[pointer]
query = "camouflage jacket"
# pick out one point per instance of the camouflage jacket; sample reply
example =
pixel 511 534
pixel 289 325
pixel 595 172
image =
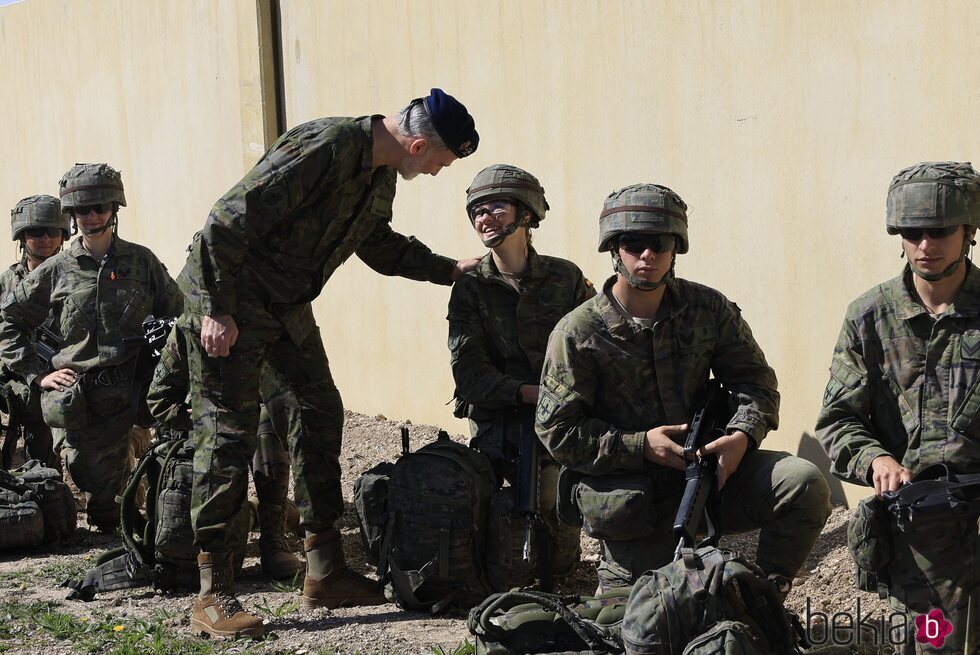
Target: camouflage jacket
pixel 607 380
pixel 95 307
pixel 498 336
pixel 904 384
pixel 13 276
pixel 278 235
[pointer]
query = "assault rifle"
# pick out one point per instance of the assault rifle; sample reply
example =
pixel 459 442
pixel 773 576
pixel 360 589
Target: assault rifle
pixel 528 465
pixel 155 333
pixel 934 494
pixel 47 343
pixel 709 423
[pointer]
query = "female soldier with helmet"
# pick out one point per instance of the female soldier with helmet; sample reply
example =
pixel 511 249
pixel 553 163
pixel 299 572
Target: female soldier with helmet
pixel 500 316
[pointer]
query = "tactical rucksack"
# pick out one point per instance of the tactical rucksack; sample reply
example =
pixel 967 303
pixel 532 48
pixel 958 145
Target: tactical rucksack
pixel 158 540
pixel 435 544
pixel 21 520
pixel 522 621
pixel 54 498
pixel 371 504
pixel 710 601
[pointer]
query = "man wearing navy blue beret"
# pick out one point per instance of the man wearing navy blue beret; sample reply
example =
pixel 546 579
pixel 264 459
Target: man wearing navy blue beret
pixel 322 193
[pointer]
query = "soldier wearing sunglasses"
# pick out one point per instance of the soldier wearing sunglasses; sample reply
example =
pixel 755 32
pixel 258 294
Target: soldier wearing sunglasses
pixel 623 375
pixel 904 389
pixel 40 226
pixel 99 289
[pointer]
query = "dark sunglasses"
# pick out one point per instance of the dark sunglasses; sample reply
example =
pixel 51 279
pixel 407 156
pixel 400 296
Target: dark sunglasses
pixel 38 232
pixel 84 210
pixel 636 244
pixel 915 233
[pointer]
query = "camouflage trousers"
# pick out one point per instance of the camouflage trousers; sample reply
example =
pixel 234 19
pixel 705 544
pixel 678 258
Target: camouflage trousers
pixel 97 457
pixel 785 497
pixel 936 567
pixel 225 394
pixel 498 440
pixel 38 442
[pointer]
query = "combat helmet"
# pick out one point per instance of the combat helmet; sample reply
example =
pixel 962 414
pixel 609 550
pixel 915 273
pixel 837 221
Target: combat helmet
pixel 91 184
pixel 643 208
pixel 38 211
pixel 503 181
pixel 934 195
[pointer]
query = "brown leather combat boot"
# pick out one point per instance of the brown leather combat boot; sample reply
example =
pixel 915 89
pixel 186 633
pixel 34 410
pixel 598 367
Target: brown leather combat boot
pixel 217 612
pixel 277 559
pixel 329 583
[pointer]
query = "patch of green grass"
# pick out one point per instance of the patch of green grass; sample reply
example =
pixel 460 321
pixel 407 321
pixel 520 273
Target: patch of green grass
pixel 289 586
pixel 277 611
pixel 65 570
pixel 104 634
pixel 465 648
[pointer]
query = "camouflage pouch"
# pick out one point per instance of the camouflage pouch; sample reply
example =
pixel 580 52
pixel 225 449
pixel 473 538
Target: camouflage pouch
pixel 616 507
pixel 371 503
pixel 725 638
pixel 870 542
pixel 66 408
pixel 506 567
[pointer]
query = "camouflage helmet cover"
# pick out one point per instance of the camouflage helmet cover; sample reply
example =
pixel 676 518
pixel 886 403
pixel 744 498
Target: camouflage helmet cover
pixel 91 184
pixel 511 182
pixel 38 211
pixel 643 208
pixel 933 194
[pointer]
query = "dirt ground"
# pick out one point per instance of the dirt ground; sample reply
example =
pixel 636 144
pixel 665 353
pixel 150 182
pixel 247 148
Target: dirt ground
pixel 826 580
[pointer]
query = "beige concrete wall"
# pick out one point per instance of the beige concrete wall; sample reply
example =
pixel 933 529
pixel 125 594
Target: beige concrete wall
pixel 166 92
pixel 780 123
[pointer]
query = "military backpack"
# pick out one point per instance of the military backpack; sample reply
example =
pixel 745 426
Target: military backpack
pixel 709 601
pixel 158 540
pixel 36 507
pixel 524 621
pixel 442 532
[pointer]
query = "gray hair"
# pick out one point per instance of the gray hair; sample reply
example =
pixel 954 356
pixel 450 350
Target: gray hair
pixel 415 121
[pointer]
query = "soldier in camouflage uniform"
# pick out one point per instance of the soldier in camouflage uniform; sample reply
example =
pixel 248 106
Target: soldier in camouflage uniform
pixel 500 316
pixel 169 404
pixel 322 193
pixel 99 289
pixel 623 375
pixel 904 389
pixel 41 227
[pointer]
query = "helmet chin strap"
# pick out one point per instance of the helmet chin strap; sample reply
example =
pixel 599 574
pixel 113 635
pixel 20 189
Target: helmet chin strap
pixel 945 273
pixel 499 239
pixel 94 232
pixel 638 283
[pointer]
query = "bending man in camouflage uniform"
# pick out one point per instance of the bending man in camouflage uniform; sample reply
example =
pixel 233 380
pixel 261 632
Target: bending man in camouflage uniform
pixel 321 193
pixel 100 289
pixel 904 387
pixel 41 227
pixel 168 402
pixel 623 375
pixel 500 316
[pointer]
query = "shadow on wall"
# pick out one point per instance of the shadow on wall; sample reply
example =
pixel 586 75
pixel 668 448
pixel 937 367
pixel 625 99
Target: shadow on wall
pixel 811 450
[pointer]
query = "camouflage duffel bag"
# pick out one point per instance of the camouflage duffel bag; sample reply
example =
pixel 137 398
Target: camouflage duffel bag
pixel 21 520
pixel 523 621
pixel 54 497
pixel 709 601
